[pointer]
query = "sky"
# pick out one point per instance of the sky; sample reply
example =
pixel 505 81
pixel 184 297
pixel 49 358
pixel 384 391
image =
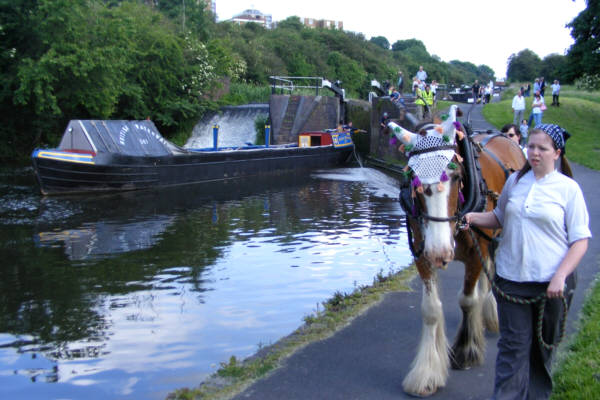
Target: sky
pixel 479 31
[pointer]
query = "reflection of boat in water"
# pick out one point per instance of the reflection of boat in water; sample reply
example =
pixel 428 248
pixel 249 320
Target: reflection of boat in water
pixel 96 155
pixel 105 238
pixel 100 230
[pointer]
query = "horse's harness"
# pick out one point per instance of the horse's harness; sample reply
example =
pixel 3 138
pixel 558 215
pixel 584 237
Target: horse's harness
pixel 476 188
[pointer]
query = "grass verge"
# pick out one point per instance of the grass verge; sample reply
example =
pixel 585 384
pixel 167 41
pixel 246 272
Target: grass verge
pixel 578 114
pixel 337 312
pixel 577 373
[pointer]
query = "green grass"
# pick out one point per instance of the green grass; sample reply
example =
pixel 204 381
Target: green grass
pixel 577 374
pixel 578 113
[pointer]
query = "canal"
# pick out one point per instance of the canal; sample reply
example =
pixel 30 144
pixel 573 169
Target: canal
pixel 134 295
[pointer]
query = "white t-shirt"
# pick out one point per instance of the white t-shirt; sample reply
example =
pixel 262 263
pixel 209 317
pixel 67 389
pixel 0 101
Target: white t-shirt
pixel 540 219
pixel 518 103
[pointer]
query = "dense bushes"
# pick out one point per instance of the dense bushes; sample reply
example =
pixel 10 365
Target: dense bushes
pixel 169 61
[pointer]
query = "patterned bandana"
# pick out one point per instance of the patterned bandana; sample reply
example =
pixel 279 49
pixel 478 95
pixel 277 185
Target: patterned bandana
pixel 559 135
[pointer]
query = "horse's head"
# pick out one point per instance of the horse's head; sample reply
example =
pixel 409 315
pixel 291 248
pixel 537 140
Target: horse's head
pixel 435 173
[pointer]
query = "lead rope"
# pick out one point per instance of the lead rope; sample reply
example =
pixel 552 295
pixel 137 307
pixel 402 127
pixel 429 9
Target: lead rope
pixel 541 299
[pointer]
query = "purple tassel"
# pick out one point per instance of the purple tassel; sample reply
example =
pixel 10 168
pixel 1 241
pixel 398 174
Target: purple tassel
pixel 413 210
pixel 444 177
pixel 416 181
pixel 461 198
pixel 393 141
pixel 457 125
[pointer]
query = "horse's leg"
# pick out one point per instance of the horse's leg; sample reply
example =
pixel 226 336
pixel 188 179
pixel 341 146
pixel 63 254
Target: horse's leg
pixel 489 310
pixel 429 369
pixel 469 345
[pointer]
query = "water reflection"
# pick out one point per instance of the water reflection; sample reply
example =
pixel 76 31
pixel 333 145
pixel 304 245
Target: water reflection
pixel 134 295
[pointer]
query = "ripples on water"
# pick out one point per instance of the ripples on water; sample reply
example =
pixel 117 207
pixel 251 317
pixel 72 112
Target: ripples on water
pixel 137 294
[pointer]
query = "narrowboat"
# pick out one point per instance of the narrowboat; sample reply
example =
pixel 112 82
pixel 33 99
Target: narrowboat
pixel 104 156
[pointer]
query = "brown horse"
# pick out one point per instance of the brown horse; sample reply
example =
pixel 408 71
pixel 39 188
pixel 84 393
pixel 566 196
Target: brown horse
pixel 448 175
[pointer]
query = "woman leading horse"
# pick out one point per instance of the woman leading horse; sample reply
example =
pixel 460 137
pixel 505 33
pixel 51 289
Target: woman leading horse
pixel 449 174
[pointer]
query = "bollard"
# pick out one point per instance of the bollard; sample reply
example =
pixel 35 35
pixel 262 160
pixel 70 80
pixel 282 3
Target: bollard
pixel 215 136
pixel 267 135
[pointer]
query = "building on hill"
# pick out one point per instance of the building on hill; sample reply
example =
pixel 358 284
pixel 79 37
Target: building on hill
pixel 322 23
pixel 253 16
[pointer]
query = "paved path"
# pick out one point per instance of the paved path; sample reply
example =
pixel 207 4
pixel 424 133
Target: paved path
pixel 369 358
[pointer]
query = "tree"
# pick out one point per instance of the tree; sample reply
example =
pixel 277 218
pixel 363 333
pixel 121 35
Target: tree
pixel 554 66
pixel 523 66
pixel 584 54
pixel 380 41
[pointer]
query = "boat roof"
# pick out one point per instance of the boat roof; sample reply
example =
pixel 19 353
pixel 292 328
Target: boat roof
pixel 134 138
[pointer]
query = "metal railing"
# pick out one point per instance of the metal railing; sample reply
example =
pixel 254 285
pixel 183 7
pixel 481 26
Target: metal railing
pixel 287 84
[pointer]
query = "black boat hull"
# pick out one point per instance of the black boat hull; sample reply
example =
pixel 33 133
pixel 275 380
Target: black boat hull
pixel 110 172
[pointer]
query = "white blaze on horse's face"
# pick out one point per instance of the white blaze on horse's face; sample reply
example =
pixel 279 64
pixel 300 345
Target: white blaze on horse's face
pixel 429 163
pixel 439 241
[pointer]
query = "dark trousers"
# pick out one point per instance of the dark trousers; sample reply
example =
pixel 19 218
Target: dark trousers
pixel 523 363
pixel 555 100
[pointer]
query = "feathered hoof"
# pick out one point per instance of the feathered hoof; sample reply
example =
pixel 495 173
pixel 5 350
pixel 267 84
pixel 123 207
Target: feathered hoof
pixel 464 360
pixel 426 393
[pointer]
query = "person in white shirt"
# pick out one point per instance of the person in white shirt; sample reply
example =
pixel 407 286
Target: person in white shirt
pixel 555 93
pixel 518 107
pixel 545 233
pixel 421 74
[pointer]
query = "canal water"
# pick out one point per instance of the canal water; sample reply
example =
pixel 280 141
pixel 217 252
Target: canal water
pixel 134 295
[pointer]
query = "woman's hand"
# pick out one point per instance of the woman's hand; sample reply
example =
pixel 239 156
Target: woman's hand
pixel 556 287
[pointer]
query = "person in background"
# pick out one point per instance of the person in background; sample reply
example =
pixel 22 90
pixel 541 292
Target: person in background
pixel 415 84
pixel 434 86
pixel 518 107
pixel 555 93
pixel 537 108
pixel 513 133
pixel 400 83
pixel 542 86
pixel 527 91
pixel 524 128
pixel 424 102
pixel 421 74
pixel 536 85
pixel 545 234
pixel 475 91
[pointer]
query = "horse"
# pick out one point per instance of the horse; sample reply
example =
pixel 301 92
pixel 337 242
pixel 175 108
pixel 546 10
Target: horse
pixel 450 173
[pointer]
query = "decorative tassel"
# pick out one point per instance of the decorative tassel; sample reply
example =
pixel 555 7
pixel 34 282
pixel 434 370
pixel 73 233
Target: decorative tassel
pixel 460 135
pixel 445 138
pixel 461 198
pixel 457 126
pixel 439 129
pixel 397 129
pixel 409 147
pixel 440 187
pixel 444 117
pixel 393 141
pixel 444 177
pixel 406 138
pixel 402 148
pixel 416 181
pixel 451 165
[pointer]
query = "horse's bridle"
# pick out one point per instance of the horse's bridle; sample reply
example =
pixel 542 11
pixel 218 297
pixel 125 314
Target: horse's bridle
pixel 406 187
pixel 475 188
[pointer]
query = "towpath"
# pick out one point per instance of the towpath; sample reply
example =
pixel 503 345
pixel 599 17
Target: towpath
pixel 369 358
